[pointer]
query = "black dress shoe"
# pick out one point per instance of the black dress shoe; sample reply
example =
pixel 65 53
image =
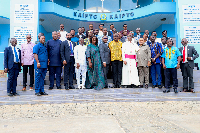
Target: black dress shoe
pixel 50 88
pixel 66 88
pixel 153 86
pixel 71 87
pixel 192 90
pixel 58 87
pixel 175 90
pixel 146 86
pixel 37 94
pixel 166 91
pixel 10 94
pixel 106 87
pixel 43 93
pixel 16 94
pixel 159 86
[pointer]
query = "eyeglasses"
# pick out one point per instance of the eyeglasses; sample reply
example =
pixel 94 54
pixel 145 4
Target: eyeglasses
pixel 61 26
pixel 125 26
pixel 105 38
pixel 28 37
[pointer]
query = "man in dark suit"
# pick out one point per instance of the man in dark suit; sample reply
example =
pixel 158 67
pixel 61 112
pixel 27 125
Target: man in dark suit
pixel 187 65
pixel 80 33
pixel 12 66
pixel 67 57
pixel 105 57
pixel 55 64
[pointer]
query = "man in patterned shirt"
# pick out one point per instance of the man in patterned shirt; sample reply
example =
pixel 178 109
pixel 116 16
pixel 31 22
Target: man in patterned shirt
pixel 116 60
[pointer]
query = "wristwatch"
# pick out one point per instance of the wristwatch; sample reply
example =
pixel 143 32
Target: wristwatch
pixel 179 63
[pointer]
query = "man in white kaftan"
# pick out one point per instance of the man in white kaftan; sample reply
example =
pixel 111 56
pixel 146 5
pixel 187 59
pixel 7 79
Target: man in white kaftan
pixel 80 63
pixel 129 70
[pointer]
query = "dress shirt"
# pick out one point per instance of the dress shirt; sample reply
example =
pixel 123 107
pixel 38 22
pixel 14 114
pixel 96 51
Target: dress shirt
pixel 116 50
pixel 156 48
pixel 27 56
pixel 170 55
pixel 63 35
pixel 14 53
pixel 41 50
pixel 186 55
pixel 79 55
pixel 72 46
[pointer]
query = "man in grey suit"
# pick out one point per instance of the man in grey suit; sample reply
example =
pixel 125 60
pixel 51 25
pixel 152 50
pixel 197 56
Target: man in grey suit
pixel 105 57
pixel 187 65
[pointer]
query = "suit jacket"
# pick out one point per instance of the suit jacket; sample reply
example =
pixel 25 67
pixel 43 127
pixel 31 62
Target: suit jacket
pixel 141 36
pixel 109 33
pixel 190 52
pixel 143 55
pixel 104 53
pixel 83 36
pixel 65 51
pixel 9 58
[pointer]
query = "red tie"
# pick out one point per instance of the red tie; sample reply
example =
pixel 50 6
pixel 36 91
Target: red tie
pixel 184 54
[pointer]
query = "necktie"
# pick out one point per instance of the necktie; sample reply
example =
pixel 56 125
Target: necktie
pixel 71 48
pixel 184 54
pixel 16 56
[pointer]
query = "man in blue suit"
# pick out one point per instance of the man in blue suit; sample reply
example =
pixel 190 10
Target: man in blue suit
pixel 12 66
pixel 67 57
pixel 40 66
pixel 55 65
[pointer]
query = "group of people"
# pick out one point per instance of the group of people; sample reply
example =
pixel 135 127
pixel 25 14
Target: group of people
pixel 89 56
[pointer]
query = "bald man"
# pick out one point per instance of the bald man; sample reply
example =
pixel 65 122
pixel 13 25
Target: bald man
pixel 12 66
pixel 189 54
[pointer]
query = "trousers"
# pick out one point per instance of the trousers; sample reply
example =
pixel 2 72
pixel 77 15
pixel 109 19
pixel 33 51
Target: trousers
pixel 81 71
pixel 31 73
pixel 12 78
pixel 187 71
pixel 40 74
pixel 156 69
pixel 171 72
pixel 143 73
pixel 52 71
pixel 117 72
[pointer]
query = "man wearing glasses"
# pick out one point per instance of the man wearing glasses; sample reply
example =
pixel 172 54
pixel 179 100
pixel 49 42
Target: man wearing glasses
pixel 105 57
pixel 125 29
pixel 27 60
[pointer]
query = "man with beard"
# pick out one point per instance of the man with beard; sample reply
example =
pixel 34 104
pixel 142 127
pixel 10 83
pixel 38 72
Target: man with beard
pixel 80 33
pixel 62 33
pixel 67 57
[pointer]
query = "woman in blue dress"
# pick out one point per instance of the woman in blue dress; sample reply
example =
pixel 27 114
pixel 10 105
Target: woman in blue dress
pixel 94 66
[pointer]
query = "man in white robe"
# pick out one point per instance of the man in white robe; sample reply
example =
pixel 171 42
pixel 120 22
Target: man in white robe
pixel 80 63
pixel 129 71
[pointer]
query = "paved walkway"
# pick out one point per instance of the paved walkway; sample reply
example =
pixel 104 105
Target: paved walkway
pixel 104 95
pixel 123 110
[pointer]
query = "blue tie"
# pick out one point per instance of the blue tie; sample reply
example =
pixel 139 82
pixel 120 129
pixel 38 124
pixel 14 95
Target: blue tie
pixel 71 48
pixel 16 56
